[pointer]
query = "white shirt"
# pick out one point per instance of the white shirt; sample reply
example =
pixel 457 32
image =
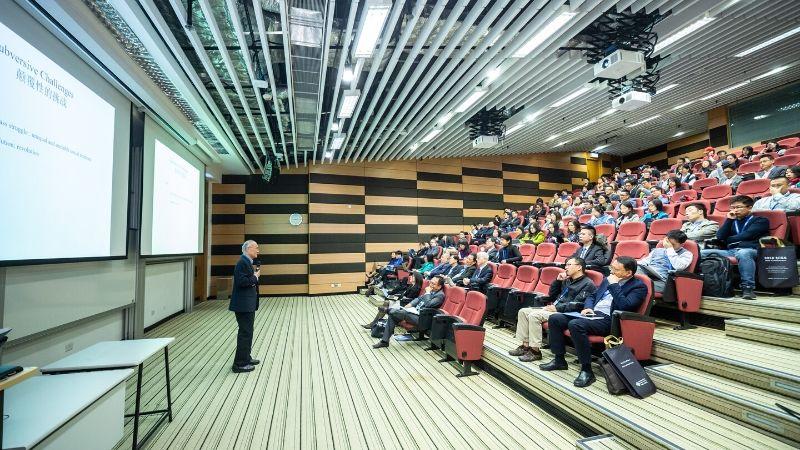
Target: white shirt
pixel 789 201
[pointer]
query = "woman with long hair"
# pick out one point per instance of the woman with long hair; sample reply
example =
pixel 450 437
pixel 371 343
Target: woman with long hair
pixel 655 211
pixel 626 214
pixel 573 229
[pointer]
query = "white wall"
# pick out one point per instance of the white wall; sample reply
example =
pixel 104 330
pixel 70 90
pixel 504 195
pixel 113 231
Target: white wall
pixel 164 290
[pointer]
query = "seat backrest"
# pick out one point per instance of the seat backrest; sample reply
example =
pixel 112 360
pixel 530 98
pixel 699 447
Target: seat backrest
pixel 717 191
pixel 526 279
pixel 670 208
pixel 545 253
pixel 681 215
pixel 788 160
pixel 792 151
pixel 425 284
pixel 631 231
pixel 639 210
pixel 789 142
pixel 584 218
pixel 720 219
pixel 723 205
pixel 505 275
pixel 635 249
pixel 546 277
pixel 660 227
pixel 565 250
pixel 527 251
pixel 474 307
pixel 699 185
pixel 454 300
pixel 759 147
pixel 644 308
pixel 495 272
pixel 753 187
pixel 751 167
pixel 692 247
pixel 778 223
pixel 473 248
pixel 595 276
pixel 613 213
pixel 608 229
pixel 683 196
pixel 578 210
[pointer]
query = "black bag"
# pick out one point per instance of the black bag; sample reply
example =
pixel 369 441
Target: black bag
pixel 777 265
pixel 614 383
pixel 378 329
pixel 629 370
pixel 716 272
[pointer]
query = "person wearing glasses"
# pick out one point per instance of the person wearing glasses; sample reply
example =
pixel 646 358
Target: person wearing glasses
pixel 780 199
pixel 741 232
pixel 568 292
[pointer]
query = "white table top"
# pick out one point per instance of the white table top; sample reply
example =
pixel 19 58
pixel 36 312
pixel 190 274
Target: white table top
pixel 109 355
pixel 39 406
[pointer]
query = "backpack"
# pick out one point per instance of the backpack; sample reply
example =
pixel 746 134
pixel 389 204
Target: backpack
pixel 717 278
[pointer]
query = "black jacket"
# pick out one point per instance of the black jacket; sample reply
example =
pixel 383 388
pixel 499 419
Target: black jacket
pixel 468 272
pixel 569 295
pixel 748 236
pixel 244 297
pixel 595 256
pixel 480 279
pixel 432 300
pixel 509 253
pixel 493 253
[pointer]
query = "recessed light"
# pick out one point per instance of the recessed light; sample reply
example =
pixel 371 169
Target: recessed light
pixel 644 121
pixel 761 116
pixel 769 42
pixel 679 133
pixel 546 32
pixel 682 33
pixel 570 97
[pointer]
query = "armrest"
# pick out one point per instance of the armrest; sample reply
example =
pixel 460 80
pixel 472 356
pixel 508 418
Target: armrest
pixel 445 318
pixel 628 315
pixel 467 327
pixel 686 274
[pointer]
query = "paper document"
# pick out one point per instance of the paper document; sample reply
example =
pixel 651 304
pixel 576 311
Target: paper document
pixel 579 316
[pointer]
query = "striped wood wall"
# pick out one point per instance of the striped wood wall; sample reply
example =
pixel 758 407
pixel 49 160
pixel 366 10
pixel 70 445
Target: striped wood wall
pixel 358 213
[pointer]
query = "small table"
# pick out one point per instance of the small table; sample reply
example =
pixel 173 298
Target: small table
pixel 26 373
pixel 113 355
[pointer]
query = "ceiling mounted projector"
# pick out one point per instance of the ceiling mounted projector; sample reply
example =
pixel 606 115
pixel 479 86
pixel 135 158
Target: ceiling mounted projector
pixel 619 64
pixel 630 100
pixel 485 141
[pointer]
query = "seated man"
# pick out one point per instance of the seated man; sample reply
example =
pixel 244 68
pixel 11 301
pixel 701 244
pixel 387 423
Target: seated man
pixel 568 292
pixel 780 199
pixel 443 267
pixel 729 175
pixel 508 253
pixel 741 232
pixel 590 251
pixel 697 228
pixel 433 298
pixel 621 291
pixel 661 261
pixel 768 168
pixel 462 278
pixel 482 276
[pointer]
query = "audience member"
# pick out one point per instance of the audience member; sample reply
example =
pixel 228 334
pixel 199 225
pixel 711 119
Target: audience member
pixel 403 293
pixel 697 227
pixel 463 277
pixel 662 260
pixel 780 198
pixel 768 168
pixel 590 251
pixel 655 211
pixel 573 230
pixel 483 274
pixel 508 254
pixel 685 175
pixel 626 214
pixel 599 216
pixel 793 174
pixel 433 298
pixel 729 175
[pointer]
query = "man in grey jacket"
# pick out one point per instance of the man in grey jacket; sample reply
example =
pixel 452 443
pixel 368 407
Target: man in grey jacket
pixel 568 293
pixel 697 227
pixel 432 298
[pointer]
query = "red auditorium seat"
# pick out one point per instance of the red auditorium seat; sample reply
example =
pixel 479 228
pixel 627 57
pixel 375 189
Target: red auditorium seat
pixel 759 147
pixel 659 228
pixel 473 248
pixel 794 227
pixel 453 302
pixel 778 223
pixel 717 191
pixel 681 214
pixel 788 160
pixel 565 250
pixel 545 253
pixel 639 202
pixel 670 208
pixel 684 287
pixel 527 251
pixel 639 211
pixel 753 188
pixel 723 206
pixel 463 334
pixel 514 234
pixel 720 219
pixel 578 210
pixel 631 231
pixel 751 167
pixel 789 142
pixel 613 213
pixel 546 277
pixel 595 276
pixel 584 218
pixel 521 294
pixel 683 196
pixel 608 229
pixel 635 249
pixel 410 326
pixel 792 151
pixel 500 285
pixel 699 185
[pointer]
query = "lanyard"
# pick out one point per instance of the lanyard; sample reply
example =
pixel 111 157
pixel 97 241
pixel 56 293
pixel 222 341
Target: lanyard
pixel 736 224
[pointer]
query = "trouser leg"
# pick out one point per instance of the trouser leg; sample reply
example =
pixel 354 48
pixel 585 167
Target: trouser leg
pixel 557 323
pixel 580 329
pixel 244 338
pixel 535 319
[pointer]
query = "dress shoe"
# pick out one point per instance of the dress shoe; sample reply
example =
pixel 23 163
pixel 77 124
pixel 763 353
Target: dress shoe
pixel 553 365
pixel 254 362
pixel 240 369
pixel 367 326
pixel 748 294
pixel 519 351
pixel 531 355
pixel 380 344
pixel 585 378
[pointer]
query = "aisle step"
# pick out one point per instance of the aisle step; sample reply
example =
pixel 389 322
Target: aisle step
pixel 602 442
pixel 768 367
pixel 774 332
pixel 751 405
pixel 786 308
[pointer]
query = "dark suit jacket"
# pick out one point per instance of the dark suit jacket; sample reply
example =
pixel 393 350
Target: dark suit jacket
pixel 467 272
pixel 510 254
pixel 244 297
pixel 595 256
pixel 627 297
pixel 432 300
pixel 481 278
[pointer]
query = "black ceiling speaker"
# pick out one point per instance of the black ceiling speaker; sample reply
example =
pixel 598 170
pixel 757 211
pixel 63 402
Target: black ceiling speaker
pixel 272 168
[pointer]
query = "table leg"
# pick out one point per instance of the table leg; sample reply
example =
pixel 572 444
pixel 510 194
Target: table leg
pixel 169 390
pixel 138 406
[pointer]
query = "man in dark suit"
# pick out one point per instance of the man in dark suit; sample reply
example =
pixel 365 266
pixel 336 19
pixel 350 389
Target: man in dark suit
pixel 244 303
pixel 620 291
pixel 432 298
pixel 483 273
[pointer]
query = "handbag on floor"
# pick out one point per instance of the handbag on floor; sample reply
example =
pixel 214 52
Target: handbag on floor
pixel 628 369
pixel 378 328
pixel 777 264
pixel 614 383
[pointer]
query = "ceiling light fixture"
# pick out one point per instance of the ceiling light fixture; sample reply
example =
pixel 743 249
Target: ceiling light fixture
pixel 348 75
pixel 546 32
pixel 679 134
pixel 761 116
pixel 552 138
pixel 329 155
pixel 413 147
pixel 532 116
pixel 349 100
pixel 570 97
pixel 644 121
pixel 560 144
pixel 767 43
pixel 515 128
pixel 600 147
pixel 493 74
pixel 429 137
pixel 338 140
pixel 682 105
pixel 445 118
pixel 335 126
pixel 474 97
pixel 682 33
pixel 583 125
pixel 609 112
pixel 771 72
pixel 666 88
pixel 373 18
pixel 727 89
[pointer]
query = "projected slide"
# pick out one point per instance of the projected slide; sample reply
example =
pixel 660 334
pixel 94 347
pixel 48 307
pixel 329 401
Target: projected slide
pixel 176 204
pixel 56 159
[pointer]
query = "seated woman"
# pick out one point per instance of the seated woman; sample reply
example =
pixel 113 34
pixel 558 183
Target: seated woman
pixel 554 234
pixel 463 249
pixel 533 235
pixel 604 202
pixel 655 211
pixel 626 214
pixel 599 216
pixel 573 228
pixel 404 292
pixel 426 265
pixel 793 175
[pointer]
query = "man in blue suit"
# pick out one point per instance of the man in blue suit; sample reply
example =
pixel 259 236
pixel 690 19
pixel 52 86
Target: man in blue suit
pixel 244 303
pixel 620 291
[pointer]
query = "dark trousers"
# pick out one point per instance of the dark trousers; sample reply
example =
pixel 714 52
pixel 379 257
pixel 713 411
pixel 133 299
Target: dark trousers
pixel 244 338
pixel 396 316
pixel 579 330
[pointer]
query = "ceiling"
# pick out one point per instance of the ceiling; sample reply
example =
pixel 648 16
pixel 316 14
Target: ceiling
pixel 266 76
